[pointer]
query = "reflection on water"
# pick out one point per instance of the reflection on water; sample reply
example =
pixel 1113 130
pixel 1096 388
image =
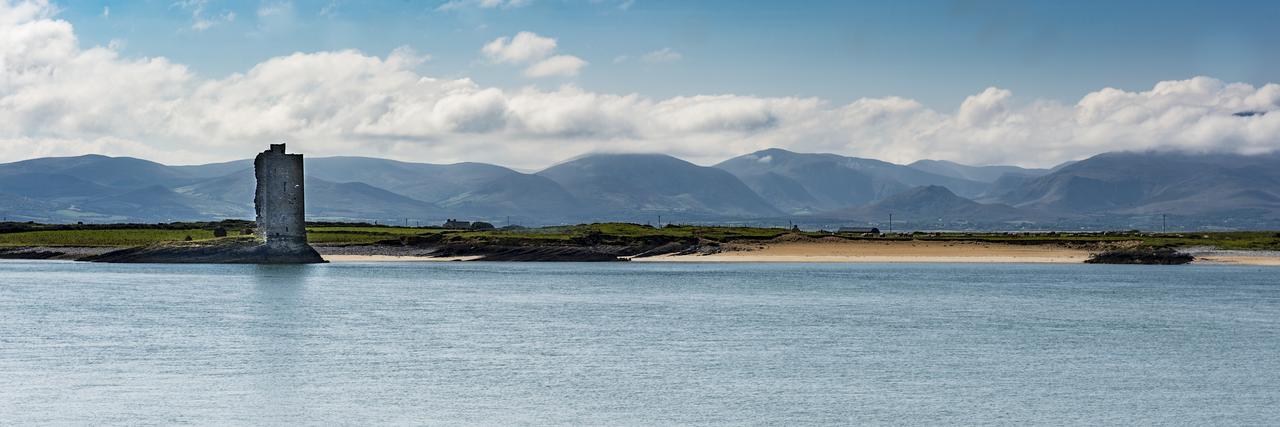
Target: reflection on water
pixel 282 275
pixel 279 323
pixel 495 343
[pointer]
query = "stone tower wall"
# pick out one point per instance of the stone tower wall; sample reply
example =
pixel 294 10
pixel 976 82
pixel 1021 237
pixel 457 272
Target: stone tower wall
pixel 278 200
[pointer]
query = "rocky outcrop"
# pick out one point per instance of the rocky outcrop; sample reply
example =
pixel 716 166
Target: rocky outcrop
pixel 218 251
pixel 65 253
pixel 585 248
pixel 1141 256
pixel 533 253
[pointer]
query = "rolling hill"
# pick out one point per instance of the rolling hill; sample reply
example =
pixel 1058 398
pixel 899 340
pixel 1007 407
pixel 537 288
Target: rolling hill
pixel 633 185
pixel 934 204
pixel 1110 190
pixel 801 183
pixel 1154 183
pixel 973 173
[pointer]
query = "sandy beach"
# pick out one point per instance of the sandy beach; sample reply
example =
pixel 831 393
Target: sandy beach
pixel 1269 260
pixel 394 258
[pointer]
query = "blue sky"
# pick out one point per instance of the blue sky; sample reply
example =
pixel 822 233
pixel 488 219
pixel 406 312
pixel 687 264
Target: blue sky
pixel 936 52
pixel 527 83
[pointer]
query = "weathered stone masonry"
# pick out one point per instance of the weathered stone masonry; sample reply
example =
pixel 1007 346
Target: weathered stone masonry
pixel 279 201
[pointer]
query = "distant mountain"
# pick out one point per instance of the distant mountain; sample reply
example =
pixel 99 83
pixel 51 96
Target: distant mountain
pixel 237 188
pixel 422 181
pixel 214 170
pixel 460 189
pixel 157 203
pixel 807 183
pixel 1155 183
pixel 1005 184
pixel 973 173
pixel 629 185
pixel 934 204
pixel 360 201
pixel 101 188
pixel 50 186
pixel 517 195
pixel 1112 190
pixel 21 208
pixel 325 199
pixel 112 172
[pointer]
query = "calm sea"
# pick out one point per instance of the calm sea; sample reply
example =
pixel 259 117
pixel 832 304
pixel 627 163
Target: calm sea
pixel 643 343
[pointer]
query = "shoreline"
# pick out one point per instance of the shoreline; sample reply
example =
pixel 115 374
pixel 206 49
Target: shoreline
pixel 828 259
pixel 821 251
pixel 866 252
pixel 395 258
pixel 1265 261
pixel 889 252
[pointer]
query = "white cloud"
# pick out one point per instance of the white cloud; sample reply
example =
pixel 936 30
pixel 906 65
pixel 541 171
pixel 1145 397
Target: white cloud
pixel 58 98
pixel 984 107
pixel 106 11
pixel 201 24
pixel 199 20
pixel 483 4
pixel 275 8
pixel 329 10
pixel 559 65
pixel 662 55
pixel 530 48
pixel 524 47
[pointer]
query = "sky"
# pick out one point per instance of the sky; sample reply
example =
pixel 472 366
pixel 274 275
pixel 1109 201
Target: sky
pixel 527 83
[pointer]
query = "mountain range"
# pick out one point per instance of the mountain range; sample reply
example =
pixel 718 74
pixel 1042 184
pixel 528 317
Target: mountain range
pixel 773 186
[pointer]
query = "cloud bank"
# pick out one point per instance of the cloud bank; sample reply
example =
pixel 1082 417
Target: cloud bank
pixel 60 98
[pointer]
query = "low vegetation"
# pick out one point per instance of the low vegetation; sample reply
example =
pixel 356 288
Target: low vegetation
pixel 111 237
pixel 30 234
pixel 362 234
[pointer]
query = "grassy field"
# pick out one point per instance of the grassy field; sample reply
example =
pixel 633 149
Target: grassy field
pixel 358 235
pixel 118 235
pixel 123 237
pixel 637 231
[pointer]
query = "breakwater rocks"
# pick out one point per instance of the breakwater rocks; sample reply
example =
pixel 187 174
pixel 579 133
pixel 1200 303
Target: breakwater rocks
pixel 64 253
pixel 1141 256
pixel 219 251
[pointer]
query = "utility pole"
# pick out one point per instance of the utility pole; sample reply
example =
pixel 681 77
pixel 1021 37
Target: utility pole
pixel 659 221
pixel 1164 223
pixel 890 223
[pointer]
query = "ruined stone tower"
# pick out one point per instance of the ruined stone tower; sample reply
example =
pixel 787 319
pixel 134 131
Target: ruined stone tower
pixel 278 200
